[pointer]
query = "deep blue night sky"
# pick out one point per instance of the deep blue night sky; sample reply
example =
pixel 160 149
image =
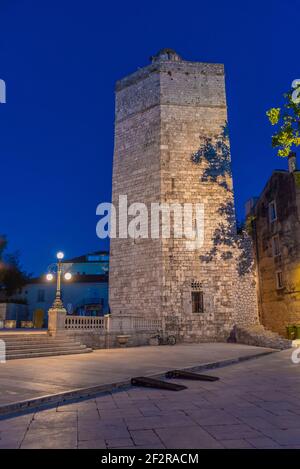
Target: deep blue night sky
pixel 60 60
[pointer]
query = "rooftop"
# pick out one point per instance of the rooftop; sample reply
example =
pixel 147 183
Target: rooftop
pixel 96 256
pixel 166 55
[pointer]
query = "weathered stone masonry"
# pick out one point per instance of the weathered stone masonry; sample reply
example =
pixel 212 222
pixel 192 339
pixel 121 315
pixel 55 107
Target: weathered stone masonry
pixel 279 305
pixel 165 113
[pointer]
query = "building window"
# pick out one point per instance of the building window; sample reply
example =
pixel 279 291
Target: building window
pixel 94 258
pixel 197 302
pixel 196 285
pixel 275 246
pixel 272 211
pixel 41 296
pixel 279 281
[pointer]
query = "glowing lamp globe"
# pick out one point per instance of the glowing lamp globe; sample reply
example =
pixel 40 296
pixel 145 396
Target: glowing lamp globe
pixel 68 276
pixel 60 255
pixel 49 277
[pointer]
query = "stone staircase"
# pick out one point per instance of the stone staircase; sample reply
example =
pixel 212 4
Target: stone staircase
pixel 40 345
pixel 259 336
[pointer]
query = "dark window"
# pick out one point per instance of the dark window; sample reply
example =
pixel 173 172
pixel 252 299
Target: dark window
pixel 197 302
pixel 272 211
pixel 275 245
pixel 279 280
pixel 41 296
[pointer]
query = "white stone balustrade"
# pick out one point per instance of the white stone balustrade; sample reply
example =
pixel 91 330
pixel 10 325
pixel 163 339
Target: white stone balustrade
pixel 84 322
pixel 144 324
pixel 113 323
pixel 130 324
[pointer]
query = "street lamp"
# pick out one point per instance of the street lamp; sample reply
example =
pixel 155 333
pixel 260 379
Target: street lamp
pixel 60 255
pixel 67 276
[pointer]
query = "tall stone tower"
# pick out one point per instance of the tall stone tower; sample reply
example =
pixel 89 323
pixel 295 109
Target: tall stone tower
pixel 171 147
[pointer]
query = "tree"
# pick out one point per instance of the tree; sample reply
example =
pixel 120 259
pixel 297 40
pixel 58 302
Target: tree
pixel 12 276
pixel 287 120
pixel 3 244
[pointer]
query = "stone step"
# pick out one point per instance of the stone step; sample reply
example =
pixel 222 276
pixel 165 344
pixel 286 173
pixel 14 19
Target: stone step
pixel 40 345
pixel 22 335
pixel 45 346
pixel 29 341
pixel 45 350
pixel 37 344
pixel 48 354
pixel 38 341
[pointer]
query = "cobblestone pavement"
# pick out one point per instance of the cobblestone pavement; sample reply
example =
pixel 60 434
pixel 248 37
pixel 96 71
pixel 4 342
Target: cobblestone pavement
pixel 254 405
pixel 26 379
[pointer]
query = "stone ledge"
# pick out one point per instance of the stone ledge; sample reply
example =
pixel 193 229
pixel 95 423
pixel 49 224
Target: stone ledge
pixel 206 68
pixel 260 337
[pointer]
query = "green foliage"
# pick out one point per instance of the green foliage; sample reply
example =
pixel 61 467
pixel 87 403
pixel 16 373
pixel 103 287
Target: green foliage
pixel 3 244
pixel 274 115
pixel 287 136
pixel 12 276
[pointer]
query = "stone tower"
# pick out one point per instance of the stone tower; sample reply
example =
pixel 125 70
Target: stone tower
pixel 171 147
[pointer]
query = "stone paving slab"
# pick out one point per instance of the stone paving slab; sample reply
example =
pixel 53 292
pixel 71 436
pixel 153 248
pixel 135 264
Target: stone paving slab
pixel 33 382
pixel 214 422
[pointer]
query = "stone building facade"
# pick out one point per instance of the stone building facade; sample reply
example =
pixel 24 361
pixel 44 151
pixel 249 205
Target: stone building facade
pixel 276 234
pixel 171 147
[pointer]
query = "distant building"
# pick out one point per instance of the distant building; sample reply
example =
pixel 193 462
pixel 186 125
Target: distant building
pixel 86 294
pixel 275 220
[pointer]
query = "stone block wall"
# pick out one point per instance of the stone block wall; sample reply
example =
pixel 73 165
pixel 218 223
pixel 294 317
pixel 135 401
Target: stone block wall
pixel 136 174
pixel 170 148
pixel 97 340
pixel 246 283
pixel 279 305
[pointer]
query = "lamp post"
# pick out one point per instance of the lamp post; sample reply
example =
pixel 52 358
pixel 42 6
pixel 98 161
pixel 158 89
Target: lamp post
pixel 67 276
pixel 57 313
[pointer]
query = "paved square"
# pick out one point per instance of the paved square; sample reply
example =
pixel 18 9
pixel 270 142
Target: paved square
pixel 26 379
pixel 254 405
